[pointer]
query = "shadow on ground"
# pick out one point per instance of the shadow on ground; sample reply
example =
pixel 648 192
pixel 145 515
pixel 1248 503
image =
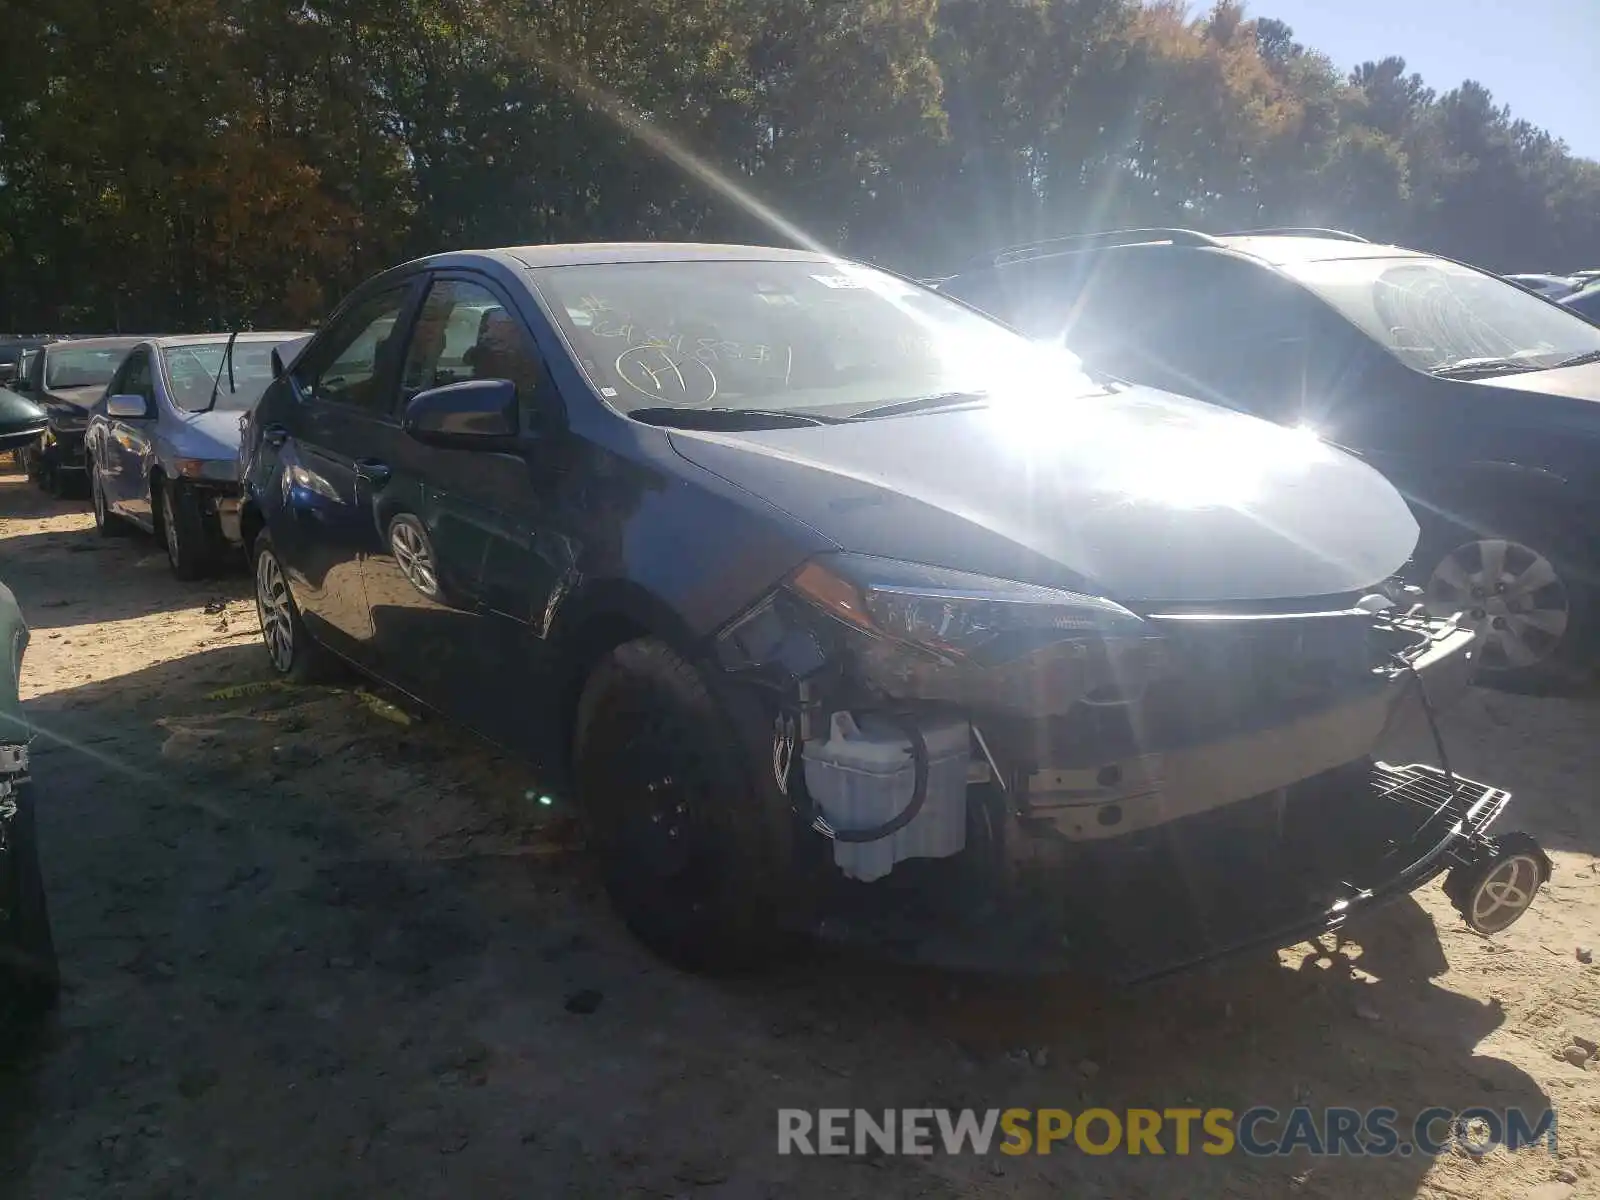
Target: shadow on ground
pixel 286 921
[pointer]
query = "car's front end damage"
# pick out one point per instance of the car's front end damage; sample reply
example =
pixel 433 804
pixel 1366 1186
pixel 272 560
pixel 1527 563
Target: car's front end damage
pixel 1134 792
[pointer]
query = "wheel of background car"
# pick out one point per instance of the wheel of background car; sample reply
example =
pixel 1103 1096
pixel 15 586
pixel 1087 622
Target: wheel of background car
pixel 1525 585
pixel 30 979
pixel 689 840
pixel 190 547
pixel 294 655
pixel 106 522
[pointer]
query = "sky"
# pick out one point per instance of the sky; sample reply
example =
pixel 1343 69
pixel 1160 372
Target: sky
pixel 1542 57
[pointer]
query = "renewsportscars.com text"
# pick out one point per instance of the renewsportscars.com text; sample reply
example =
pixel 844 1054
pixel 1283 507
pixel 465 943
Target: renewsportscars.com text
pixel 1259 1131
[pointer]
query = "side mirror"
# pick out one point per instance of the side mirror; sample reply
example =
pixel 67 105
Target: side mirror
pixel 128 407
pixel 476 414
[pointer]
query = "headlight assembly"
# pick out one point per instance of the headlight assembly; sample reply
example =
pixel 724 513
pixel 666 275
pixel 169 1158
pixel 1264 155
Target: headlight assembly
pixel 927 633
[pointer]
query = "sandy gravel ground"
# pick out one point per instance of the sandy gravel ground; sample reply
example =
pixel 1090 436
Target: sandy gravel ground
pixel 311 952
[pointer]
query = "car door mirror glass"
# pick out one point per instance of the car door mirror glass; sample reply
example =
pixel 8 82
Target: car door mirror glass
pixel 127 406
pixel 476 414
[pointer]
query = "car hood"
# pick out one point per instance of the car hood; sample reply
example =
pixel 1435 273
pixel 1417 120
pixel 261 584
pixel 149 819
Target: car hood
pixel 212 435
pixel 76 397
pixel 1140 495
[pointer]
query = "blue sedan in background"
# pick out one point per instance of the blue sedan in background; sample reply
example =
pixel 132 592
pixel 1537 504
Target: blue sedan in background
pixel 163 440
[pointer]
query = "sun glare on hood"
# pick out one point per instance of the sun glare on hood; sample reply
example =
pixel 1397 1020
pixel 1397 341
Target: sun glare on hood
pixel 1187 455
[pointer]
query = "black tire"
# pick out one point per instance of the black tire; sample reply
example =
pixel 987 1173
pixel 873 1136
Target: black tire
pixel 190 543
pixel 28 460
pixel 693 843
pixel 106 523
pixel 1565 660
pixel 30 978
pixel 46 476
pixel 294 655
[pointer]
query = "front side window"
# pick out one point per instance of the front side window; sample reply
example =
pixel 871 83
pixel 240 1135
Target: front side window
pixel 135 379
pixel 194 369
pixel 788 335
pixel 351 367
pixel 1447 319
pixel 464 332
pixel 82 366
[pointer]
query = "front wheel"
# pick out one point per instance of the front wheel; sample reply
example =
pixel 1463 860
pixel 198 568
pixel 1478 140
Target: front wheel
pixel 106 522
pixel 690 841
pixel 290 649
pixel 1529 588
pixel 189 542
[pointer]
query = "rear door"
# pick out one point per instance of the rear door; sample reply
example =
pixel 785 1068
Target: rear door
pixel 452 585
pixel 344 384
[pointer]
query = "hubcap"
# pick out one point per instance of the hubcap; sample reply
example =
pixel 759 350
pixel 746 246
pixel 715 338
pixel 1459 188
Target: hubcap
pixel 1507 591
pixel 1505 893
pixel 414 556
pixel 272 606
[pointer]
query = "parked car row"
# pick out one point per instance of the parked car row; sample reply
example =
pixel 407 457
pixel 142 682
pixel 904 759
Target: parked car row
pixel 148 428
pixel 842 607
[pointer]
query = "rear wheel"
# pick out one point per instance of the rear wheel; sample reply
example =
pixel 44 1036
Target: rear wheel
pixel 291 651
pixel 1529 588
pixel 690 841
pixel 191 548
pixel 30 979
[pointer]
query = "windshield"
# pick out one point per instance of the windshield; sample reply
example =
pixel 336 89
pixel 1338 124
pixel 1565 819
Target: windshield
pixel 192 370
pixel 82 366
pixel 1436 315
pixel 787 336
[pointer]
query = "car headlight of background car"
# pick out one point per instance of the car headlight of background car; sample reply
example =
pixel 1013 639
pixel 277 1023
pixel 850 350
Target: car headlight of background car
pixel 915 632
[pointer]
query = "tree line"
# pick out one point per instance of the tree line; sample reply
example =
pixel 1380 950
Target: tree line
pixel 184 164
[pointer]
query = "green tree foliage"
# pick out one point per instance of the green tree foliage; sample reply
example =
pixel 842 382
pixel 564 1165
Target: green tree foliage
pixel 197 163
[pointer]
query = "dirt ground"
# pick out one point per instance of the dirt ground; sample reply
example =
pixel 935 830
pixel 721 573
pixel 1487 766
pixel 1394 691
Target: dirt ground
pixel 310 951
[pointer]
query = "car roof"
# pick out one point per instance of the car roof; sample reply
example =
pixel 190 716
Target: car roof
pixel 221 339
pixel 98 343
pixel 1281 251
pixel 594 253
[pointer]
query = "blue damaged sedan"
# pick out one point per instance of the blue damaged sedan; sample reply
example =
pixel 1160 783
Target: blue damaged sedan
pixel 163 440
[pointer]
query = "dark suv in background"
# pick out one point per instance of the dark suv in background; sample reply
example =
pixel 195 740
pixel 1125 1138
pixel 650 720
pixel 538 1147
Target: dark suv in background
pixel 1477 398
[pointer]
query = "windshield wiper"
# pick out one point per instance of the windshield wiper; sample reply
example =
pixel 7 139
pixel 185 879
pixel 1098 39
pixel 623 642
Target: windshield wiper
pixel 732 419
pixel 934 403
pixel 1466 368
pixel 1578 360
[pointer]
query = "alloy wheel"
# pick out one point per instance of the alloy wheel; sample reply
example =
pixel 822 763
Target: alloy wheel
pixel 273 608
pixel 1507 591
pixel 414 556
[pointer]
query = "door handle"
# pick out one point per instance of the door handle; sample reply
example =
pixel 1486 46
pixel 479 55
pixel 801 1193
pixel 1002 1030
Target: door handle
pixel 275 435
pixel 374 472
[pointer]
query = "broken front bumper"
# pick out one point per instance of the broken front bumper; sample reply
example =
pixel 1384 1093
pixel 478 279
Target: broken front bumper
pixel 1266 873
pixel 1153 842
pixel 1086 794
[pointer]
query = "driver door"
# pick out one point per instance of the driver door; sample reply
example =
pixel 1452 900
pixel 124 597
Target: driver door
pixel 126 452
